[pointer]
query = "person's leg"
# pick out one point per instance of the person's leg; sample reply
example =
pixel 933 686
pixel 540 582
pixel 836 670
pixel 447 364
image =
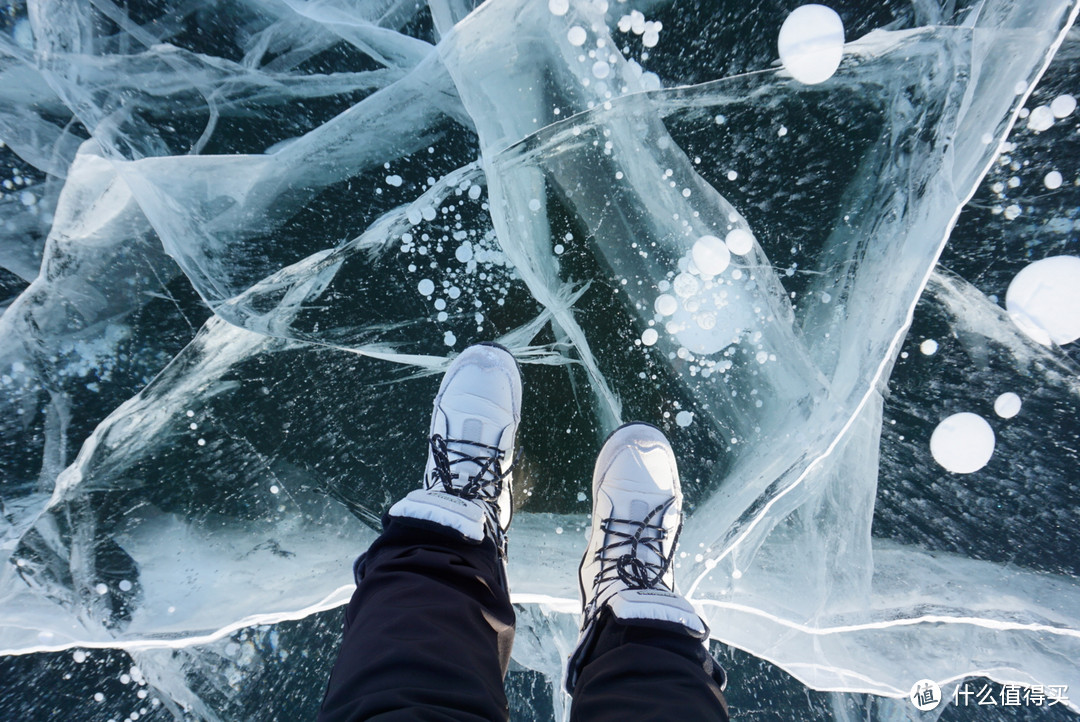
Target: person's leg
pixel 427 634
pixel 647 673
pixel 429 629
pixel 641 653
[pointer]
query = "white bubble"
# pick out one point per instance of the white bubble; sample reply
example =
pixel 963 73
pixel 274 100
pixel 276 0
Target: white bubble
pixel 666 304
pixel 600 69
pixel 1053 180
pixel 649 336
pixel 475 191
pixel 464 252
pixel 1063 106
pixel 732 175
pixel 685 285
pixel 440 304
pixel 449 338
pixel 99 697
pixel 428 213
pixel 811 43
pixel 393 180
pixel 710 255
pixel 650 39
pixel 739 241
pixel 426 287
pixel 1043 300
pixel 274 489
pixel 559 7
pixel 962 443
pixel 534 204
pixel 1041 118
pixel 684 418
pixel 414 216
pixel 929 347
pixel 27 198
pixel 79 656
pixel 125 585
pixel 577 36
pixel 101 588
pixel 762 356
pixel 1013 212
pixel 1007 405
pixel 559 248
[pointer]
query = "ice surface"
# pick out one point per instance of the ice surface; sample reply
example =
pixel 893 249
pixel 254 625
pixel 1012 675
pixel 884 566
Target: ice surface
pixel 247 238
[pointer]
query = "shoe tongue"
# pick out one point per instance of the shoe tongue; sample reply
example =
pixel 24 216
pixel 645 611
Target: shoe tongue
pixel 638 510
pixel 473 430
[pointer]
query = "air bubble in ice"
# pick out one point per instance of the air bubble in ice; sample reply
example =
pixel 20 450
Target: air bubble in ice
pixel 1007 405
pixel 601 69
pixel 534 204
pixel 684 418
pixel 649 336
pixel 27 198
pixel 1053 180
pixel 1043 300
pixel 464 252
pixel 685 285
pixel 449 338
pixel 811 43
pixel 1041 118
pixel 739 241
pixel 962 443
pixel 125 585
pixel 929 347
pixel 559 7
pixel 79 656
pixel 1063 106
pixel 426 287
pixel 393 180
pixel 576 35
pixel 666 304
pixel 711 255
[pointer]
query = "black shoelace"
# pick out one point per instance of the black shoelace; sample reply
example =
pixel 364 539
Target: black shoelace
pixel 486 484
pixel 635 572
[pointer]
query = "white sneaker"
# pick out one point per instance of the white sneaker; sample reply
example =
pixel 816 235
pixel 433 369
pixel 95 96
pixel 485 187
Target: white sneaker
pixel 636 520
pixel 467 483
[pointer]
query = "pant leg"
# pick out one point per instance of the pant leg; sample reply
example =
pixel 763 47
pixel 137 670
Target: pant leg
pixel 647 673
pixel 427 633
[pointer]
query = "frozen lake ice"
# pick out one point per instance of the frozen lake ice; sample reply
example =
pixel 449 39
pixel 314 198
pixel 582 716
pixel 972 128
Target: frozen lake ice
pixel 239 241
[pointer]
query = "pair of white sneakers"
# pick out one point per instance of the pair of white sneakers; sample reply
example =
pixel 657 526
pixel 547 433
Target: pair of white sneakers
pixel 637 502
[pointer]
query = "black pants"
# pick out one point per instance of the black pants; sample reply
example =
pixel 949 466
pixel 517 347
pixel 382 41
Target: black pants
pixel 428 635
